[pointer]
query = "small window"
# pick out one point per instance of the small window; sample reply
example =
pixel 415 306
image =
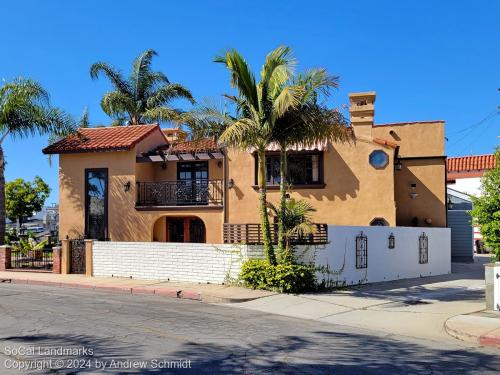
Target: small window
pixel 379 159
pixel 379 222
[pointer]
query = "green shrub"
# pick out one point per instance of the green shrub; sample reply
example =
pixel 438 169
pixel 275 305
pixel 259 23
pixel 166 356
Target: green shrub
pixel 284 278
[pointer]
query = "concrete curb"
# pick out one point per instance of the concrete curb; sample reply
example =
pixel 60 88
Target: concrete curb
pixel 459 328
pixel 163 292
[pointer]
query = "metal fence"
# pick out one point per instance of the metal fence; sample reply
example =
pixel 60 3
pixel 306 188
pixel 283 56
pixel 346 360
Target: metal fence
pixel 32 259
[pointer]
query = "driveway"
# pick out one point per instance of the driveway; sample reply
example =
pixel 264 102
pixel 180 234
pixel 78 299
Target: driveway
pixel 416 308
pixel 215 339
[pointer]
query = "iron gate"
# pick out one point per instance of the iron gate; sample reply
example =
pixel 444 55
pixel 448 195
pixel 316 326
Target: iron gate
pixel 77 255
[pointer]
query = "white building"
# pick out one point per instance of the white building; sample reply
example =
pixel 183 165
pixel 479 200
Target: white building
pixel 464 176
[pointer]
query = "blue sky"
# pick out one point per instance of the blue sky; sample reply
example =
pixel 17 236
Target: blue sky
pixel 426 59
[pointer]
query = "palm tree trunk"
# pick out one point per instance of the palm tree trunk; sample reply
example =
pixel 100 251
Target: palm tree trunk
pixel 264 218
pixel 2 197
pixel 281 224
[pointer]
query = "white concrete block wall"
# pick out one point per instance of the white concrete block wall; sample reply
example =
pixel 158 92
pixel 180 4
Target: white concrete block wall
pixel 205 263
pixel 216 263
pixel 384 264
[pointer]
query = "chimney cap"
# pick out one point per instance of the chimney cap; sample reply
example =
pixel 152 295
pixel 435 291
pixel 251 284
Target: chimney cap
pixel 364 94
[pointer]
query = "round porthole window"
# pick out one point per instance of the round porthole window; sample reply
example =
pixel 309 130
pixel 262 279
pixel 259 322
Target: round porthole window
pixel 379 159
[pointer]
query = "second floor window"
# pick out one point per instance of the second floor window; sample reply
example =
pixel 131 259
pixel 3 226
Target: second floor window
pixel 303 169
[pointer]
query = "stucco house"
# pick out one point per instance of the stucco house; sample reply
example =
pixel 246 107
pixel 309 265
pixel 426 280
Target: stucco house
pixel 144 183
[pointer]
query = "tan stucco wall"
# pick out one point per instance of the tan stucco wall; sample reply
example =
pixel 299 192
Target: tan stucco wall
pixel 422 139
pixel 429 176
pixel 355 192
pixel 125 223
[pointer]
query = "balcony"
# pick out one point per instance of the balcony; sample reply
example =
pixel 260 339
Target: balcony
pixel 180 193
pixel 251 234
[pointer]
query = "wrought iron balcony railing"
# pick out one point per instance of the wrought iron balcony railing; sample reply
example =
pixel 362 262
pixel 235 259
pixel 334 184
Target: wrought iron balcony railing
pixel 198 192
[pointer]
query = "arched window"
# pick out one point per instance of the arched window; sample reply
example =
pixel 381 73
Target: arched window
pixel 379 222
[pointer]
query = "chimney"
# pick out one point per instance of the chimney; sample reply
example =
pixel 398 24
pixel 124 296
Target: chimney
pixel 362 111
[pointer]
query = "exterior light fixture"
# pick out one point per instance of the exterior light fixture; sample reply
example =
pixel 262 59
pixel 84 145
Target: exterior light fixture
pixel 219 164
pixel 126 186
pixel 230 183
pixel 398 165
pixel 413 191
pixel 450 203
pixel 392 241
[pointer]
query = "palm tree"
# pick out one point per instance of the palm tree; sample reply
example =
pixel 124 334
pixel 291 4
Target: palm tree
pixel 142 98
pixel 259 106
pixel 25 111
pixel 297 222
pixel 307 124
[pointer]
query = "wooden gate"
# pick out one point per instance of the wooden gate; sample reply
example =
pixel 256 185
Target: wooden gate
pixel 77 255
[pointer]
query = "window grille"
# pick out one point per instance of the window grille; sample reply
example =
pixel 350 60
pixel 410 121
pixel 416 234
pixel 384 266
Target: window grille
pixel 423 249
pixel 361 251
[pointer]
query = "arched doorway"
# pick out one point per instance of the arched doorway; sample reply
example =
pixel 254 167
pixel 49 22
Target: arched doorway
pixel 179 229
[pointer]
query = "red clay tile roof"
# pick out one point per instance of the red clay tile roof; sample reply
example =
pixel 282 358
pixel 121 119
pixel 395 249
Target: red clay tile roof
pixel 408 123
pixel 384 142
pixel 198 145
pixel 471 163
pixel 115 138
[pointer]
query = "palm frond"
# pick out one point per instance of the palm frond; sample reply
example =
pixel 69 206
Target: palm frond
pixel 288 99
pixel 242 77
pixel 114 103
pixel 208 119
pixel 161 114
pixel 241 133
pixel 113 75
pixel 168 92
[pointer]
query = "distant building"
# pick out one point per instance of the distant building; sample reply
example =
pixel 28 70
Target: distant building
pixel 465 172
pixel 464 176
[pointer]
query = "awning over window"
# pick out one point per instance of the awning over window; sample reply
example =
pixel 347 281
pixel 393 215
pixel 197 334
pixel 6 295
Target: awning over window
pixel 319 146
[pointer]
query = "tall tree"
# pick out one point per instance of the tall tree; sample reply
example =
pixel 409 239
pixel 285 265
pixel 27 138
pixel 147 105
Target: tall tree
pixel 25 111
pixel 486 211
pixel 24 198
pixel 142 98
pixel 259 106
pixel 307 124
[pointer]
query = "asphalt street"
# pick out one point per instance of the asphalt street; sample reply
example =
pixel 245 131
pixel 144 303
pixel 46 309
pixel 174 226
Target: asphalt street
pixel 86 330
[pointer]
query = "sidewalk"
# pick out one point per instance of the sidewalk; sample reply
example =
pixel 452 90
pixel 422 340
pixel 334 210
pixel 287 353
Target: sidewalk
pixel 211 293
pixel 481 328
pixel 416 308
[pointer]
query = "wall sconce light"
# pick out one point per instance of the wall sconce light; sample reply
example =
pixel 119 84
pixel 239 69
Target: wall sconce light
pixel 126 186
pixel 413 191
pixel 230 183
pixel 219 164
pixel 163 165
pixel 428 221
pixel 392 241
pixel 398 165
pixel 450 203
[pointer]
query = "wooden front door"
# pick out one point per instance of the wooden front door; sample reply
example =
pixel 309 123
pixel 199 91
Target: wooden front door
pixel 186 229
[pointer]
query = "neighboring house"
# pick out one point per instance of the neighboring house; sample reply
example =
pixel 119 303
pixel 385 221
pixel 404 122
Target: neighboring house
pixel 142 183
pixel 464 176
pixel 465 172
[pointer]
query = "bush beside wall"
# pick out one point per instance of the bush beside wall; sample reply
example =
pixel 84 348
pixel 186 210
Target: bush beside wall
pixel 284 278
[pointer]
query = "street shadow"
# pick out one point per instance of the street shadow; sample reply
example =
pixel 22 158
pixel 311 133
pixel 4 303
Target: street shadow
pixel 317 352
